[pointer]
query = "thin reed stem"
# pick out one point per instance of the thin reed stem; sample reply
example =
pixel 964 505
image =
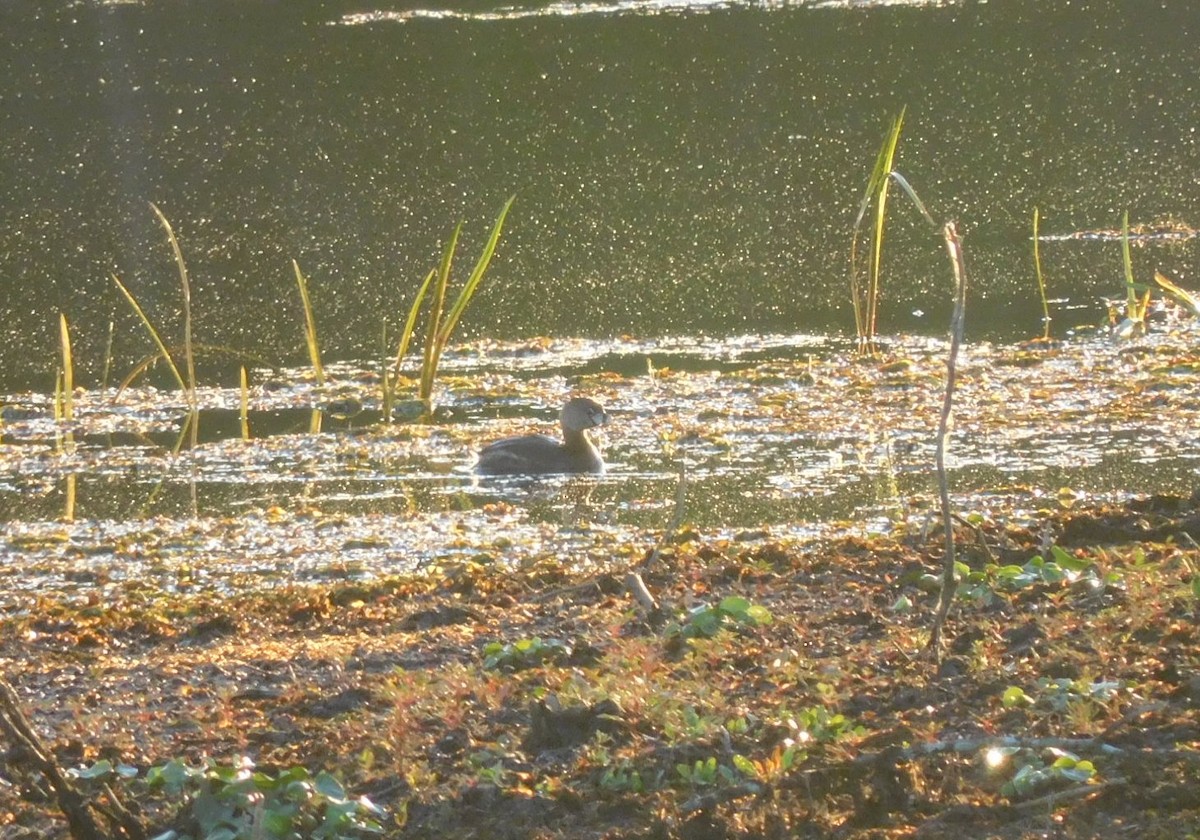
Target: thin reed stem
pixel 186 287
pixel 244 404
pixel 1037 266
pixel 310 327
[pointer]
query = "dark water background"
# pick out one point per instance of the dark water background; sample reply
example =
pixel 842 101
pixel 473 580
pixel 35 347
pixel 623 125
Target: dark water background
pixel 691 171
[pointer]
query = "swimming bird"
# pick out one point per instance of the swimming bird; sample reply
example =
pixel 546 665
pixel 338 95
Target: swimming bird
pixel 542 455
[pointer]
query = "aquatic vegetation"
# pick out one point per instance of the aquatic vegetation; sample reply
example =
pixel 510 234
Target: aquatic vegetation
pixel 1179 294
pixel 163 352
pixel 866 300
pixel 1136 308
pixel 1041 281
pixel 310 326
pixel 189 356
pixel 440 322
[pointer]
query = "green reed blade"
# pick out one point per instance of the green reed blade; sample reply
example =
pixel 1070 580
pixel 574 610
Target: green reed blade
pixel 888 158
pixel 481 266
pixel 446 329
pixel 189 359
pixel 1037 267
pixel 162 348
pixel 310 326
pixel 1131 298
pixel 430 358
pixel 108 355
pixel 244 404
pixel 68 376
pixel 410 324
pixel 865 304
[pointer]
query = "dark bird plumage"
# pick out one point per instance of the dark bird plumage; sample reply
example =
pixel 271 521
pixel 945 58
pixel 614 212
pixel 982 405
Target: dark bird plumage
pixel 542 455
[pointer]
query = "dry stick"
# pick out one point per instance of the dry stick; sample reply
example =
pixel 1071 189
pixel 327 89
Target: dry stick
pixel 949 583
pixel 16 727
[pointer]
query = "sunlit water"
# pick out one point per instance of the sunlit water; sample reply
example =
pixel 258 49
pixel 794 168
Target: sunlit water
pixel 681 168
pixel 784 437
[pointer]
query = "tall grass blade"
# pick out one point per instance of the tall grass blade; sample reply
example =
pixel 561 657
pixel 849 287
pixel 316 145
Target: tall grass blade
pixel 446 328
pixel 108 355
pixel 1037 267
pixel 434 323
pixel 244 404
pixel 888 158
pixel 481 266
pixel 1182 296
pixel 865 303
pixel 1131 297
pixel 185 285
pixel 66 442
pixel 310 326
pixel 162 348
pixel 392 382
pixel 68 369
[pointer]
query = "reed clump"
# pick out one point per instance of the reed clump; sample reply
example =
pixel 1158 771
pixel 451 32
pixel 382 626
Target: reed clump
pixel 439 321
pixel 864 281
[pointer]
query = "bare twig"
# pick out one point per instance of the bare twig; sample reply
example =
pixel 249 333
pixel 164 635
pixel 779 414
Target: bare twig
pixel 949 582
pixel 1052 799
pixel 17 729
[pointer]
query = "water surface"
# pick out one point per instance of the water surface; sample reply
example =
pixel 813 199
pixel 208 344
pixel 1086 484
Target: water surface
pixel 681 168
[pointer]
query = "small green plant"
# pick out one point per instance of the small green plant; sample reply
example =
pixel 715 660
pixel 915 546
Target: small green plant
pixel 231 802
pixel 1080 699
pixel 1036 774
pixel 526 653
pixel 773 767
pixel 686 724
pixel 816 724
pixel 704 773
pixel 622 778
pixel 706 620
pixel 982 585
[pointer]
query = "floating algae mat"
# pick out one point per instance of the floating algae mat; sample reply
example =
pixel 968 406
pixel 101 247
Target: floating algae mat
pixel 780 437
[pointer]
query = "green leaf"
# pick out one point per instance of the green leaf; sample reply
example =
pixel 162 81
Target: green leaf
pixel 328 786
pixel 734 605
pixel 1015 696
pixel 745 766
pixel 99 770
pixel 760 614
